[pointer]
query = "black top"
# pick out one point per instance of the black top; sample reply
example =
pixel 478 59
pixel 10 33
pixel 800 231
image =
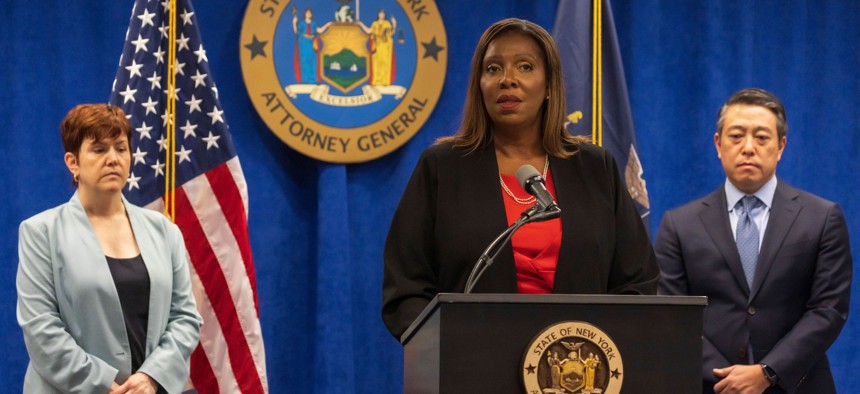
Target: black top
pixel 132 286
pixel 453 207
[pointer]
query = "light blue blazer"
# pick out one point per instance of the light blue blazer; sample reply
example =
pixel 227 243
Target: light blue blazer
pixel 70 313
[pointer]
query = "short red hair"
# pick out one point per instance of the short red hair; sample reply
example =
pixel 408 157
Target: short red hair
pixel 93 121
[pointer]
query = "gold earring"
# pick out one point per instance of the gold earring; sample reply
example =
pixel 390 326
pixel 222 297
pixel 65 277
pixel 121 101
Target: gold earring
pixel 75 178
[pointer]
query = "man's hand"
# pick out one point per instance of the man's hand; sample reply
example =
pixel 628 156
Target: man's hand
pixel 745 379
pixel 139 383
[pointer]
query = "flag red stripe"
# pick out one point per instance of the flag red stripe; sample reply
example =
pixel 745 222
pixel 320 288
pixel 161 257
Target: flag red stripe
pixel 230 199
pixel 215 285
pixel 202 374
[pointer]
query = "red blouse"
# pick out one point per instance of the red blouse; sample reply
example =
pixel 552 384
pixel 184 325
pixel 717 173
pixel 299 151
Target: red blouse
pixel 536 245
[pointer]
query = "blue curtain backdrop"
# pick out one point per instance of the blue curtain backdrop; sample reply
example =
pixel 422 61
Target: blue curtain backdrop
pixel 317 229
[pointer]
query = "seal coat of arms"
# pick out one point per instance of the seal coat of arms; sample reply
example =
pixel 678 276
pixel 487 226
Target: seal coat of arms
pixel 572 357
pixel 343 81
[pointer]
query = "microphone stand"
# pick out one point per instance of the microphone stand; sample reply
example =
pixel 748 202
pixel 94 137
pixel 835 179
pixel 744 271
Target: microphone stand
pixel 533 214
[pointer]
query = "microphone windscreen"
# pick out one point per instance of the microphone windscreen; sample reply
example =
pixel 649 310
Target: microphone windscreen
pixel 526 172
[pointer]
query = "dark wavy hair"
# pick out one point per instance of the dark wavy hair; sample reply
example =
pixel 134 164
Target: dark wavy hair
pixel 475 130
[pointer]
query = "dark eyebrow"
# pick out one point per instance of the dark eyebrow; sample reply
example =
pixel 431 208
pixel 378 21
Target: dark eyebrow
pixel 517 56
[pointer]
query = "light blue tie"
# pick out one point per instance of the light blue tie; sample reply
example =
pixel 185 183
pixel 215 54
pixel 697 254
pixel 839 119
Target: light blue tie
pixel 747 236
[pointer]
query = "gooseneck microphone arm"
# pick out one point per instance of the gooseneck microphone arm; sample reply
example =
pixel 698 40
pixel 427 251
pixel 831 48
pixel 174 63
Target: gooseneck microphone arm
pixel 544 209
pixel 489 255
pixel 533 214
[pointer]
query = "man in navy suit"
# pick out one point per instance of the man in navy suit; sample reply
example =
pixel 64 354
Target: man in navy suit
pixel 774 262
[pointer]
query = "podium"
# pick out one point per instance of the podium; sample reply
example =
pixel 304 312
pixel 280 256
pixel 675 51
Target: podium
pixel 540 344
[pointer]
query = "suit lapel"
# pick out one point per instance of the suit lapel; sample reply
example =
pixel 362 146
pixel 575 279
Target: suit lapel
pixel 486 191
pixel 715 218
pixel 782 215
pixel 566 279
pixel 89 253
pixel 149 252
pixel 583 257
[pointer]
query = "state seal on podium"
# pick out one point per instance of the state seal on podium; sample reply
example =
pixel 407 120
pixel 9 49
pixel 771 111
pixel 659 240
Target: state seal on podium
pixel 572 357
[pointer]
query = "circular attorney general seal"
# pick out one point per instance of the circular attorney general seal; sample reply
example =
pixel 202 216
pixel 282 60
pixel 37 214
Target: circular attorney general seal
pixel 572 357
pixel 343 81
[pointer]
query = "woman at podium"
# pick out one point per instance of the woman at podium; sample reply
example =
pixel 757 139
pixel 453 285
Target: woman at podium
pixel 463 193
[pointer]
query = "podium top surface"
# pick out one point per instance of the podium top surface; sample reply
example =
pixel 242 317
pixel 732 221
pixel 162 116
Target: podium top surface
pixel 582 299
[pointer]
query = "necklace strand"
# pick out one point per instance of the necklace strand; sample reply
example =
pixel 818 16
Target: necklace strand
pixel 530 199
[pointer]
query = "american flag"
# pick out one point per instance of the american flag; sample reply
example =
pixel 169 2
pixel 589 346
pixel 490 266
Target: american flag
pixel 211 196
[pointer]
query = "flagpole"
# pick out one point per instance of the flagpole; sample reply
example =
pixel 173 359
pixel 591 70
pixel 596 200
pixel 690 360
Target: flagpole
pixel 170 159
pixel 594 38
pixel 599 72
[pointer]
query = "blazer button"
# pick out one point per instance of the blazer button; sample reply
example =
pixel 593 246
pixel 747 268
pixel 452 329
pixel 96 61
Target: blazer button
pixel 751 311
pixel 742 353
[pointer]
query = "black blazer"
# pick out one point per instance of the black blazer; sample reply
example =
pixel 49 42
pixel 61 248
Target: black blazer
pixel 453 208
pixel 799 298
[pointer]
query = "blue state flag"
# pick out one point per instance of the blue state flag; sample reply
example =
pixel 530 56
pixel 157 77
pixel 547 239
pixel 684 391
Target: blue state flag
pixel 597 101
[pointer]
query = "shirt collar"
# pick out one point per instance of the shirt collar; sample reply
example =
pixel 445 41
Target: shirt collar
pixel 764 193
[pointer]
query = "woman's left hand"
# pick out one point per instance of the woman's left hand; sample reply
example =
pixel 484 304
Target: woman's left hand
pixel 139 383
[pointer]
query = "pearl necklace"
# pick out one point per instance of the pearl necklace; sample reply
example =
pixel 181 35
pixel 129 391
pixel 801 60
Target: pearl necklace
pixel 524 201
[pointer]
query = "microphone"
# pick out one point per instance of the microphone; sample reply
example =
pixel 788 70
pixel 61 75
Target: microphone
pixel 532 182
pixel 544 209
